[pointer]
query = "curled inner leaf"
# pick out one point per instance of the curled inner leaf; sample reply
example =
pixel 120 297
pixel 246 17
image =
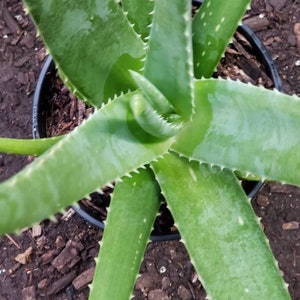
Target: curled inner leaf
pixel 157 100
pixel 150 120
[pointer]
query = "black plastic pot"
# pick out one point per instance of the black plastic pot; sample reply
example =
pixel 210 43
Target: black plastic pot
pixel 40 106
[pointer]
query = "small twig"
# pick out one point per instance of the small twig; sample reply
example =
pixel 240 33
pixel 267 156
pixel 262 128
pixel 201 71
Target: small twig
pixel 14 268
pixel 13 241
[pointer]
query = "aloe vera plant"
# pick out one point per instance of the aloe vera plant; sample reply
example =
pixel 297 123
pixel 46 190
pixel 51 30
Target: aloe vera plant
pixel 161 126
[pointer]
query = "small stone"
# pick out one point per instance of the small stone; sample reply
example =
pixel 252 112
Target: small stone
pixel 36 231
pixel 19 18
pixel 173 254
pixel 184 293
pixel 165 283
pixel 262 200
pixel 290 225
pixel 158 294
pixel 59 242
pixel 43 283
pixel 144 281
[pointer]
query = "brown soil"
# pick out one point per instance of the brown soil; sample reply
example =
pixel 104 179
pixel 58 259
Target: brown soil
pixel 60 252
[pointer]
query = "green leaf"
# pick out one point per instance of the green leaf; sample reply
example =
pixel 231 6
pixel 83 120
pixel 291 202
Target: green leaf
pixel 244 128
pixel 157 100
pixel 213 27
pixel 105 147
pixel 150 120
pixel 92 43
pixel 27 146
pixel 167 66
pixel 220 230
pixel 131 216
pixel 139 14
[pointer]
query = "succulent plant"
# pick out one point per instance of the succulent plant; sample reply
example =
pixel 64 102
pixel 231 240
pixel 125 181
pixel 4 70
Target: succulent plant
pixel 162 126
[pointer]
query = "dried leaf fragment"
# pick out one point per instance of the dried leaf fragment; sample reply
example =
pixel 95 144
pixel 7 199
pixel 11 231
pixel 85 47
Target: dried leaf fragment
pixel 24 258
pixel 290 225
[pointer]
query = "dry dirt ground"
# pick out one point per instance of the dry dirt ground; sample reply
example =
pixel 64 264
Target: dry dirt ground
pixel 55 260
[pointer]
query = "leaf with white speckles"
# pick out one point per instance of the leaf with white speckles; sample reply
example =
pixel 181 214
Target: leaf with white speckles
pixel 213 27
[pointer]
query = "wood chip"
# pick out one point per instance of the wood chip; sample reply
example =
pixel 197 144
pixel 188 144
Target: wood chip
pixel 61 283
pixel 284 188
pixel 297 33
pixel 21 61
pixel 68 257
pixel 24 258
pixel 195 278
pixel 297 249
pixel 14 269
pixel 84 278
pixel 157 294
pixel 257 23
pixel 48 257
pixel 28 293
pixel 68 214
pixel 277 4
pixel 9 20
pixel 241 49
pixel 290 225
pixel 184 293
pixel 297 264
